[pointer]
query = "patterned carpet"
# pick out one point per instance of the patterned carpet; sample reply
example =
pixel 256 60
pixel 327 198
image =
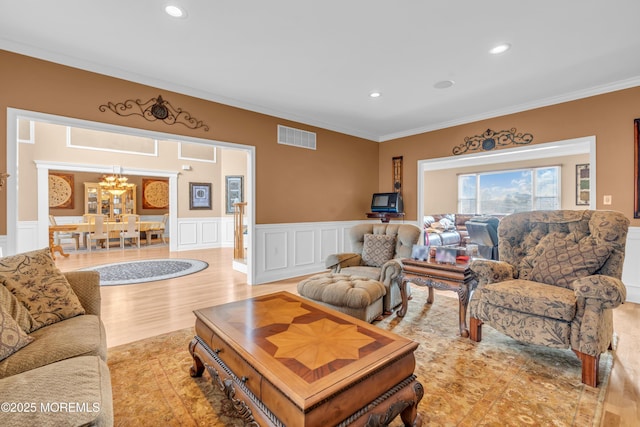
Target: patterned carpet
pixel 127 273
pixel 498 382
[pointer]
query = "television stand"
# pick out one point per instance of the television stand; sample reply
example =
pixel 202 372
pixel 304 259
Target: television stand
pixel 385 216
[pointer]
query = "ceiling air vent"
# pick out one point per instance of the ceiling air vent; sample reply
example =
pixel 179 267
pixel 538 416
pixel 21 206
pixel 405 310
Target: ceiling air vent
pixel 296 137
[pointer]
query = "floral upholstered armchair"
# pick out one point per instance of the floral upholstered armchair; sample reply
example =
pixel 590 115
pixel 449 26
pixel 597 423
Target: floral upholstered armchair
pixel 377 250
pixel 556 283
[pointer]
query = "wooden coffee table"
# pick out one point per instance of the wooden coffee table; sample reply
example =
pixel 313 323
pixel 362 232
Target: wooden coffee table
pixel 452 277
pixel 286 361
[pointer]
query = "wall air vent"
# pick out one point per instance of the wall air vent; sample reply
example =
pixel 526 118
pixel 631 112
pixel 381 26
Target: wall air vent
pixel 296 137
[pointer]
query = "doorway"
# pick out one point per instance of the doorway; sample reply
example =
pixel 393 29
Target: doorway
pixel 16 231
pixel 584 145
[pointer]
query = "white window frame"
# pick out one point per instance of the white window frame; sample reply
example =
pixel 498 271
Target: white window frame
pixel 535 197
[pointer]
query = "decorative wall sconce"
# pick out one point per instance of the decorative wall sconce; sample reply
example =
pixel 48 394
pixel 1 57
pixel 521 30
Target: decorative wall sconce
pixel 489 140
pixel 3 179
pixel 154 109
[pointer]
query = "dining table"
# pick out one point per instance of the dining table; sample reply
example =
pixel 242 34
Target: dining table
pixel 53 229
pixel 82 228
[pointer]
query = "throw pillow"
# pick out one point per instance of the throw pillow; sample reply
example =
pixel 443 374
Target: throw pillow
pixel 36 282
pixel 12 337
pixel 378 249
pixel 16 310
pixel 563 261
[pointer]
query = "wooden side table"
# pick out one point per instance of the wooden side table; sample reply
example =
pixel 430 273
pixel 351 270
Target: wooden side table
pixel 52 231
pixel 451 277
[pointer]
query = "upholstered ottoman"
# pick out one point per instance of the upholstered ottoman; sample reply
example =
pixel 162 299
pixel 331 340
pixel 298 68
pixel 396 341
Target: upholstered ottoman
pixel 356 296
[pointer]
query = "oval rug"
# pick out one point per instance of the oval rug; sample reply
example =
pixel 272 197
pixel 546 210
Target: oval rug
pixel 130 272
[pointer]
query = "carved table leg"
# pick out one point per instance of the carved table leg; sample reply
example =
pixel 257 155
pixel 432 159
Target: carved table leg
pixel 410 415
pixel 197 368
pixel 431 296
pixel 53 248
pixel 402 283
pixel 463 297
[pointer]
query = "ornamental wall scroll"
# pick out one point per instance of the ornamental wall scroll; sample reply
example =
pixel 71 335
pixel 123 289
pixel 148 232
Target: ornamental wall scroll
pixel 489 140
pixel 154 109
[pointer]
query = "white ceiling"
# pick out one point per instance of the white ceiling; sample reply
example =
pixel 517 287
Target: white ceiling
pixel 317 61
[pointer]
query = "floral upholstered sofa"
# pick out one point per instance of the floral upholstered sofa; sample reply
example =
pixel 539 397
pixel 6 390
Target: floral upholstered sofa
pixel 52 345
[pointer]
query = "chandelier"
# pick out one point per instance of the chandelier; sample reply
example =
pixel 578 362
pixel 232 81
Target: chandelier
pixel 115 184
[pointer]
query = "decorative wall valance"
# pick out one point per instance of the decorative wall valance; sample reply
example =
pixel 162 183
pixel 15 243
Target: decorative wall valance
pixel 154 109
pixel 489 140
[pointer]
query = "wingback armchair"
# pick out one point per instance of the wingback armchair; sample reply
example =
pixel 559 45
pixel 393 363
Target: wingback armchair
pixel 377 249
pixel 556 283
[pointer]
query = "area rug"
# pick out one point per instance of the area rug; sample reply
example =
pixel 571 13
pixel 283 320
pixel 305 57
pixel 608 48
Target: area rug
pixel 495 382
pixel 127 273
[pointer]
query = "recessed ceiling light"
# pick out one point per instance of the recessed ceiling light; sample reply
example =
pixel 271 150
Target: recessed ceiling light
pixel 500 48
pixel 443 84
pixel 175 11
pixel 375 94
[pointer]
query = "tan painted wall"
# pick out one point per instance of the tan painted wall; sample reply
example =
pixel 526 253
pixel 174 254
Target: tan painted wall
pixel 609 117
pixel 335 182
pixel 50 145
pixel 441 187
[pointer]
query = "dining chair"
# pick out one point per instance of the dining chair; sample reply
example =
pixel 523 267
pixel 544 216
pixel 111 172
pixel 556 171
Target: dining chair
pixel 98 230
pixel 158 232
pixel 131 229
pixel 58 236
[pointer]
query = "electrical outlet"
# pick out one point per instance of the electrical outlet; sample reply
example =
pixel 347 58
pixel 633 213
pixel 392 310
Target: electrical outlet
pixel 607 200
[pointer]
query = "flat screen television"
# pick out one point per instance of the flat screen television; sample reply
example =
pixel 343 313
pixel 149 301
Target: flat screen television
pixel 387 202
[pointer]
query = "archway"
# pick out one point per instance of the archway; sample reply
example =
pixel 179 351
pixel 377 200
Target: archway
pixel 40 235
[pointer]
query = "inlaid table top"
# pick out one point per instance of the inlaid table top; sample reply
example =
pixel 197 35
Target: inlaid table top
pixel 307 351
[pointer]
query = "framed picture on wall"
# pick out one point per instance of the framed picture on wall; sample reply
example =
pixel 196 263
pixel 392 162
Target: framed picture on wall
pixel 234 191
pixel 583 184
pixel 61 195
pixel 199 195
pixel 155 193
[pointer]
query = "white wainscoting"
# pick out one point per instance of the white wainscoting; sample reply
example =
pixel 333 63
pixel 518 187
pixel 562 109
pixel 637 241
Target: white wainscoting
pixel 205 233
pixel 296 249
pixel 631 268
pixel 3 245
pixel 193 233
pixel 27 237
pixel 290 250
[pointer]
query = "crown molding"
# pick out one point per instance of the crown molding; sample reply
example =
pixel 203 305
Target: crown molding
pixel 82 64
pixel 572 96
pixel 106 70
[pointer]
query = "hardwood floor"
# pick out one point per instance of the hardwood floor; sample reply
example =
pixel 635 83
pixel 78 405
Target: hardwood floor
pixel 133 312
